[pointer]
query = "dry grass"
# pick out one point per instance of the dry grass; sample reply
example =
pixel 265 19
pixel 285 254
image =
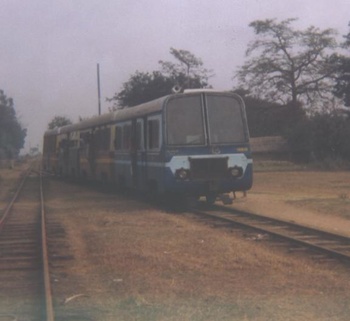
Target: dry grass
pixel 134 262
pixel 309 197
pixel 137 263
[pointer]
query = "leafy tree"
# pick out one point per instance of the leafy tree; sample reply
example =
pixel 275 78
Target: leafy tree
pixel 342 86
pixel 12 135
pixel 288 65
pixel 59 121
pixel 342 66
pixel 142 87
pixel 346 43
pixel 187 72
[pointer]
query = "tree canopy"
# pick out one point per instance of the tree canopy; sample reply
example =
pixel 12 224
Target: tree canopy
pixel 12 134
pixel 288 65
pixel 186 72
pixel 342 65
pixel 59 121
pixel 142 87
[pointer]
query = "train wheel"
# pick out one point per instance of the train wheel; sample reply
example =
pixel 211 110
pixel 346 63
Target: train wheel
pixel 210 198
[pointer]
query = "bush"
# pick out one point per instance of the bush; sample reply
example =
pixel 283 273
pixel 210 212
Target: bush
pixel 320 138
pixel 270 119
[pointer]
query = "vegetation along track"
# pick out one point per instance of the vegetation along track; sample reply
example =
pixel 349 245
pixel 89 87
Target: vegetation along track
pixel 324 245
pixel 25 292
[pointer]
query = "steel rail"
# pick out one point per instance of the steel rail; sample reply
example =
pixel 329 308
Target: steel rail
pixel 279 221
pixel 45 260
pixel 270 230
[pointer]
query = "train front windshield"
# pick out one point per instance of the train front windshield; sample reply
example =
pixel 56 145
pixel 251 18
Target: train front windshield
pixel 186 125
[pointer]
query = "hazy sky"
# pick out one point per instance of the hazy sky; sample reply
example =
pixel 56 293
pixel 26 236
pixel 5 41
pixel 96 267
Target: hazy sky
pixel 50 48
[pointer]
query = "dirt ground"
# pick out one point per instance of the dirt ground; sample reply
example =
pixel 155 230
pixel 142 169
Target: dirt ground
pixel 131 261
pixel 314 198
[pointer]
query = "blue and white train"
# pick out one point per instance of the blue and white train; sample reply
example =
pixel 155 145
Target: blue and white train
pixel 192 144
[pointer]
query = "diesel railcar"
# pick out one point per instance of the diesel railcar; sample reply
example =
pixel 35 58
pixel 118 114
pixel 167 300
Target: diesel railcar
pixel 192 144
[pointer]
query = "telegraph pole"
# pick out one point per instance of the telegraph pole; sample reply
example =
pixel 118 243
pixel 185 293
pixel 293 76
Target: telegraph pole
pixel 98 89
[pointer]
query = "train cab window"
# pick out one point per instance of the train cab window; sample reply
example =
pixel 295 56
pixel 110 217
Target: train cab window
pixel 184 120
pixel 153 134
pixel 226 124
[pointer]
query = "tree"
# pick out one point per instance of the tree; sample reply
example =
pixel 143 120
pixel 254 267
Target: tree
pixel 320 138
pixel 187 72
pixel 12 134
pixel 269 118
pixel 59 121
pixel 342 78
pixel 142 87
pixel 288 65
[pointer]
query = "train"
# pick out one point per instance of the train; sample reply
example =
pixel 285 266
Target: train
pixel 189 144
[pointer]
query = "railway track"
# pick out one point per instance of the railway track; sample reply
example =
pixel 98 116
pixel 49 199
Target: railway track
pixel 324 245
pixel 25 290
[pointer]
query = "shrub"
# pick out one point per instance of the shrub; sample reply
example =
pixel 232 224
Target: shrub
pixel 320 137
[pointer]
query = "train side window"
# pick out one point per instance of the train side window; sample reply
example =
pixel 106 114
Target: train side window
pixel 153 134
pixel 85 138
pixel 139 135
pixel 126 136
pixel 106 138
pixel 118 141
pixel 102 138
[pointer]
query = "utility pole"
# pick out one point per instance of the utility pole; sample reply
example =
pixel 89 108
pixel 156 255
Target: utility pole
pixel 98 89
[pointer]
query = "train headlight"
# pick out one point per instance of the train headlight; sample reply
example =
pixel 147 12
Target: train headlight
pixel 236 171
pixel 182 174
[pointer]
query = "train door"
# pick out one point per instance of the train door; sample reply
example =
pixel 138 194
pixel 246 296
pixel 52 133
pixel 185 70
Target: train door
pixel 63 154
pixel 137 154
pixel 92 153
pixel 152 165
pixel 74 157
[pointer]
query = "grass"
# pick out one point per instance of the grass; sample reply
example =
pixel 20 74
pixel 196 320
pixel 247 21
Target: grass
pixel 336 206
pixel 134 262
pixel 156 266
pixel 132 309
pixel 261 165
pixel 276 166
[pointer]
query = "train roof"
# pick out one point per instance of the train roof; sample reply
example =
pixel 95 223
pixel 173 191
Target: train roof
pixel 127 113
pixel 118 115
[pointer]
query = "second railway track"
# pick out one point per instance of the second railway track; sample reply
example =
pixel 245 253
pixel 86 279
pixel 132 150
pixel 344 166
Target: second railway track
pixel 24 280
pixel 322 244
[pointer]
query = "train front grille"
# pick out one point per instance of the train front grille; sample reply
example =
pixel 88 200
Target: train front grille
pixel 208 168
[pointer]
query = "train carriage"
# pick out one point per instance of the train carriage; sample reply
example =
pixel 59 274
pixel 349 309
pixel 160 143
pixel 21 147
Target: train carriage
pixel 194 143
